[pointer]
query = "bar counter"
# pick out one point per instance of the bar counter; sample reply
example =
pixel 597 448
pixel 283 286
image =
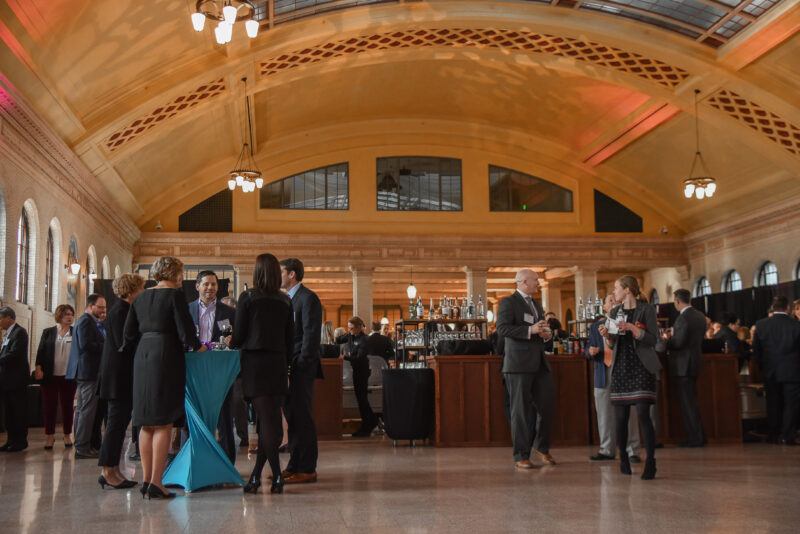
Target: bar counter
pixel 469 408
pixel 327 404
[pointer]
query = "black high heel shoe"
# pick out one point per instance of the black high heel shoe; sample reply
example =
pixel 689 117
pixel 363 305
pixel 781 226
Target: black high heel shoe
pixel 277 484
pixel 143 490
pixel 649 472
pixel 624 463
pixel 125 484
pixel 253 484
pixel 154 492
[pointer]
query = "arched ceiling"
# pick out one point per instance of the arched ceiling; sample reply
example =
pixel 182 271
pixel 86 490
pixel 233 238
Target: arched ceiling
pixel 155 109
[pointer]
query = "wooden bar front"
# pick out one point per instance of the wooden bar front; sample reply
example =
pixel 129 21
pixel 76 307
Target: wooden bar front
pixel 327 403
pixel 469 401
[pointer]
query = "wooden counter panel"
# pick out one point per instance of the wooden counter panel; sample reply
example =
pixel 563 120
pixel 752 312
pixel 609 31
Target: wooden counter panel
pixel 571 425
pixel 327 403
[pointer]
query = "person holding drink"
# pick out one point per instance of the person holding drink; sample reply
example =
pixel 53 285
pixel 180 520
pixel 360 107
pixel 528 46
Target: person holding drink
pixel 631 333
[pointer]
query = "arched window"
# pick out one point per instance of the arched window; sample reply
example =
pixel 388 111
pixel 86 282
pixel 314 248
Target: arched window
pixel 117 271
pixel 91 269
pixel 702 287
pixel 23 258
pixel 797 271
pixel 654 298
pixel 767 275
pixel 106 274
pixel 49 271
pixel 732 281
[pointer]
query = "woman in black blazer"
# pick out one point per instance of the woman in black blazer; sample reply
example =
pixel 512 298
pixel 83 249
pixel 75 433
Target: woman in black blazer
pixel 50 371
pixel 265 335
pixel 115 381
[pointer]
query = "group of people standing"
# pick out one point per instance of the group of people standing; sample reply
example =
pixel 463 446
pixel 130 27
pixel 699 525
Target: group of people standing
pixel 132 357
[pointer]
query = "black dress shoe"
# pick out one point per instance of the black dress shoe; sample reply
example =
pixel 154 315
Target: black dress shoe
pixel 624 464
pixel 5 446
pixel 277 485
pixel 649 472
pixel 85 455
pixel 600 456
pixel 125 484
pixel 144 488
pixel 634 458
pixel 154 492
pixel 253 484
pixel 17 447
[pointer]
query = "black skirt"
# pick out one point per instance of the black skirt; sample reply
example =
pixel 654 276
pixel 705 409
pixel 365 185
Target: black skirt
pixel 159 380
pixel 631 382
pixel 263 373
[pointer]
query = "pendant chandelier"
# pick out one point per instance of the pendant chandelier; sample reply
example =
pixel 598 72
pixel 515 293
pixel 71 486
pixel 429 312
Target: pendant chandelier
pixel 226 13
pixel 245 173
pixel 701 185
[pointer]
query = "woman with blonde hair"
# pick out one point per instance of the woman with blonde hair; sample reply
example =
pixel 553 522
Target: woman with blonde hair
pixel 115 381
pixel 632 333
pixel 326 336
pixel 160 326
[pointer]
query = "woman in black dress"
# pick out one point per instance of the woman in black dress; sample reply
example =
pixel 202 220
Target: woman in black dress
pixel 265 335
pixel 161 327
pixel 115 381
pixel 634 369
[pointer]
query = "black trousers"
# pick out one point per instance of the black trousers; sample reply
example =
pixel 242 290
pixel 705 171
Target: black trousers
pixel 532 401
pixel 119 415
pixel 692 423
pixel 361 374
pixel 100 417
pixel 783 408
pixel 303 448
pixel 15 403
pixel 225 427
pixel 507 409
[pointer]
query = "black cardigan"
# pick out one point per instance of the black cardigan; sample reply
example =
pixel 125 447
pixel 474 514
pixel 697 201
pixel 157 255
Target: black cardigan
pixel 46 354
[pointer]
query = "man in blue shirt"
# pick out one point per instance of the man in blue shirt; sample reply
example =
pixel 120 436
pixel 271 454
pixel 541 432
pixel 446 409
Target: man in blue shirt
pixel 602 357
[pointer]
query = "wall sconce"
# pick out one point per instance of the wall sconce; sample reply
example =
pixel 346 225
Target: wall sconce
pixel 74 268
pixel 490 316
pixel 384 320
pixel 93 275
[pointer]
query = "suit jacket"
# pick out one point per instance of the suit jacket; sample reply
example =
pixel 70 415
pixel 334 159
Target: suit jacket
pixel 686 344
pixel 115 378
pixel 14 368
pixel 221 312
pixel 596 340
pixel 523 352
pixel 776 346
pixel 307 329
pixel 377 344
pixel 86 350
pixel 46 353
pixel 648 337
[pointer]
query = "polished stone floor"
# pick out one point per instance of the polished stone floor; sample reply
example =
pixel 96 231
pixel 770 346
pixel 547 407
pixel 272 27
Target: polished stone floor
pixel 369 486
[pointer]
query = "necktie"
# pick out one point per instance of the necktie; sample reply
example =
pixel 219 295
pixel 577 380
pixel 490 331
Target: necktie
pixel 532 307
pixel 102 329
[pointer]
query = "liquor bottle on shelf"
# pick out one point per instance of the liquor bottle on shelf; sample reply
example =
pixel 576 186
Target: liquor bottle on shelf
pixel 412 310
pixel 420 308
pixel 480 312
pixel 471 308
pixel 455 311
pixel 446 308
pixel 589 310
pixel 431 311
pixel 581 312
pixel 598 305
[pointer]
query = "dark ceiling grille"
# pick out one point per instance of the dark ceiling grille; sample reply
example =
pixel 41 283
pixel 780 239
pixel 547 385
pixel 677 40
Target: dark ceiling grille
pixel 214 214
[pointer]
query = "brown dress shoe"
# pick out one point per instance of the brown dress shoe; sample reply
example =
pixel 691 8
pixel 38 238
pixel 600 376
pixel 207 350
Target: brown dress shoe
pixel 546 458
pixel 285 474
pixel 301 478
pixel 524 464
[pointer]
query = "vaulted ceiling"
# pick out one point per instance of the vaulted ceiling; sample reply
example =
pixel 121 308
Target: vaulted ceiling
pixel 155 109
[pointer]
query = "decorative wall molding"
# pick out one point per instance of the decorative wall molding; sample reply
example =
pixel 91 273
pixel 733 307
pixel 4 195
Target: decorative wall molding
pixel 610 57
pixel 618 253
pixel 763 121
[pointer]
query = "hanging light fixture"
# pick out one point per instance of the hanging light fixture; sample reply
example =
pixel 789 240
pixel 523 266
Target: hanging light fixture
pixel 411 291
pixel 701 185
pixel 226 13
pixel 245 173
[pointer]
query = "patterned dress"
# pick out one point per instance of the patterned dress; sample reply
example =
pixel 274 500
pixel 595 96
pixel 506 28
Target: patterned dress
pixel 631 382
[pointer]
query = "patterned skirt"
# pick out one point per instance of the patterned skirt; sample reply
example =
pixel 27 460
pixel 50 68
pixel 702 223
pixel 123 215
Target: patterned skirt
pixel 631 382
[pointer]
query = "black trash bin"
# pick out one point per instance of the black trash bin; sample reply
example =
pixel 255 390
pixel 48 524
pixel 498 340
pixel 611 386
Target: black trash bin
pixel 408 403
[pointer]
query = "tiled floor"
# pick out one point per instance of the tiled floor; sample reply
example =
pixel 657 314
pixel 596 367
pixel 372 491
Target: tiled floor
pixel 368 486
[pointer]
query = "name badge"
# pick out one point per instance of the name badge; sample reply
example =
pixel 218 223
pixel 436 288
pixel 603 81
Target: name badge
pixel 528 318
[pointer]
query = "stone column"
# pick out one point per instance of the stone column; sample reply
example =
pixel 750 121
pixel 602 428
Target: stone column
pixel 476 284
pixel 362 292
pixel 585 285
pixel 553 298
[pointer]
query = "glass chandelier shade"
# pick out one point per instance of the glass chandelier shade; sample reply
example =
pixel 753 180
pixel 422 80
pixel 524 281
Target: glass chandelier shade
pixel 226 13
pixel 700 185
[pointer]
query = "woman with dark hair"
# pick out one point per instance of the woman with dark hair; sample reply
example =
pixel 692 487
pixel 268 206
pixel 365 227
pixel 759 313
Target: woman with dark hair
pixel 115 381
pixel 160 326
pixel 265 336
pixel 51 370
pixel 631 333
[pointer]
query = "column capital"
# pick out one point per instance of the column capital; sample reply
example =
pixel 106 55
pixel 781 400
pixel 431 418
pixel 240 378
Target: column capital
pixel 475 269
pixel 360 268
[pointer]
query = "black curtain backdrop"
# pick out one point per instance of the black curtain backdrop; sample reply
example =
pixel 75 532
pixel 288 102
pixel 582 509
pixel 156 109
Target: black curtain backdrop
pixel 104 287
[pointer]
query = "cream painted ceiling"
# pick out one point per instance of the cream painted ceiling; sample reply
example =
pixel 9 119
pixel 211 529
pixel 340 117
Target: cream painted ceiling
pixel 98 69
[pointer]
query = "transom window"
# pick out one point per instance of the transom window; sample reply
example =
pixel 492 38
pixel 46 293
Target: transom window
pixel 419 183
pixel 732 281
pixel 23 258
pixel 702 287
pixel 325 188
pixel 767 275
pixel 511 190
pixel 48 271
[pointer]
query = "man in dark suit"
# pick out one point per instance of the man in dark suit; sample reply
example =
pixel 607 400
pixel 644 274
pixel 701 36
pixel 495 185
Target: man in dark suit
pixel 520 320
pixel 84 362
pixel 304 368
pixel 377 344
pixel 776 347
pixel 209 316
pixel 14 375
pixel 727 333
pixel 684 341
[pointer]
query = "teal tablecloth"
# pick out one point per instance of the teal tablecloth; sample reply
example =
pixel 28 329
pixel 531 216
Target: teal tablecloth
pixel 201 461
